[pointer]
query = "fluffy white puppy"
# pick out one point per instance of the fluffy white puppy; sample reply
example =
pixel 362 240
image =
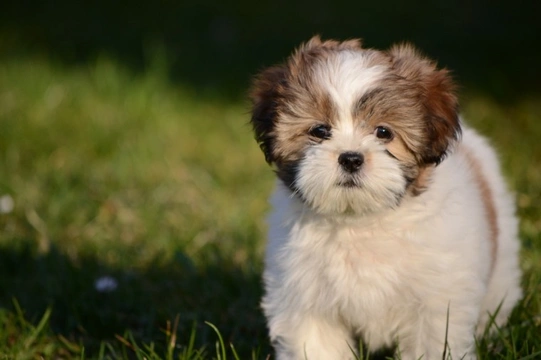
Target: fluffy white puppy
pixel 391 221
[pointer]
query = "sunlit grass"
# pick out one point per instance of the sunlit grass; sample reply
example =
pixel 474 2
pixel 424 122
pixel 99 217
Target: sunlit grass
pixel 163 189
pixel 98 156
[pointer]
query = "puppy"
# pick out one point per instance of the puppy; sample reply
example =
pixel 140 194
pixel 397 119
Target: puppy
pixel 391 220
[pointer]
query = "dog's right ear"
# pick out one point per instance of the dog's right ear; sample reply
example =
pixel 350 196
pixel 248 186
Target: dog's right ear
pixel 267 93
pixel 442 124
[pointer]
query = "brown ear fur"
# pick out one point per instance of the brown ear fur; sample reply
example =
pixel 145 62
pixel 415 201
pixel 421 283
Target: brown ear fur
pixel 438 97
pixel 267 89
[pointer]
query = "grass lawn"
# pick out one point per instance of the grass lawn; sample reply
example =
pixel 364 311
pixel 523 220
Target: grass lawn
pixel 138 216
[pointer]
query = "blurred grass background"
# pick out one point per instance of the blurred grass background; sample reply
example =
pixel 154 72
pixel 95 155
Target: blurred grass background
pixel 125 148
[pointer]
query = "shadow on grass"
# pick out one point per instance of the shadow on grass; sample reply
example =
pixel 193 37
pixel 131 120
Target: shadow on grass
pixel 142 303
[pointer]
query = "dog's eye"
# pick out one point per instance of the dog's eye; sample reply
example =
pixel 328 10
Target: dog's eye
pixel 383 133
pixel 320 131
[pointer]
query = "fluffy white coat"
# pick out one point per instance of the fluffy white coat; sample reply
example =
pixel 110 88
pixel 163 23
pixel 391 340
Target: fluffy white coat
pixel 423 272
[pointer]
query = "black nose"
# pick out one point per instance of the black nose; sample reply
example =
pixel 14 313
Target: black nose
pixel 351 161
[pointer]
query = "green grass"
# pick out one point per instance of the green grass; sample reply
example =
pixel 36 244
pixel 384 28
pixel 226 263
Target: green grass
pixel 123 174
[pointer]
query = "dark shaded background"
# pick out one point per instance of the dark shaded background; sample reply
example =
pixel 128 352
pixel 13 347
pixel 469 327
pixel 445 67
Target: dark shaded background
pixel 216 45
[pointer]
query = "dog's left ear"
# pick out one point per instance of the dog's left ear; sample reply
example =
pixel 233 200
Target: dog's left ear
pixel 439 100
pixel 266 93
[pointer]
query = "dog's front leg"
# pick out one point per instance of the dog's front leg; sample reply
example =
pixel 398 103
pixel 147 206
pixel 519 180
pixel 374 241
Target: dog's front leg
pixel 310 338
pixel 436 333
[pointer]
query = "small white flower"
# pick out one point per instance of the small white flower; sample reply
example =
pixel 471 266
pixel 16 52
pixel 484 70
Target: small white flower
pixel 106 284
pixel 6 204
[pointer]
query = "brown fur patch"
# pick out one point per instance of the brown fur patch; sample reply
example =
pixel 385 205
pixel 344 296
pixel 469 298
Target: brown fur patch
pixel 422 181
pixel 488 201
pixel 298 117
pixel 395 104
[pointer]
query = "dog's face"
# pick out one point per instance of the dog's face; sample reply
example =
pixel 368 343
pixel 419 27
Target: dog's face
pixel 352 130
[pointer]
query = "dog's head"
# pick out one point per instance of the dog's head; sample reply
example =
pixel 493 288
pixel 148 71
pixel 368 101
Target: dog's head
pixel 353 130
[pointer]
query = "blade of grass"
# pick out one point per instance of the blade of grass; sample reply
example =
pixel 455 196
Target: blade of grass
pixel 531 356
pixel 220 344
pixel 234 352
pixel 38 329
